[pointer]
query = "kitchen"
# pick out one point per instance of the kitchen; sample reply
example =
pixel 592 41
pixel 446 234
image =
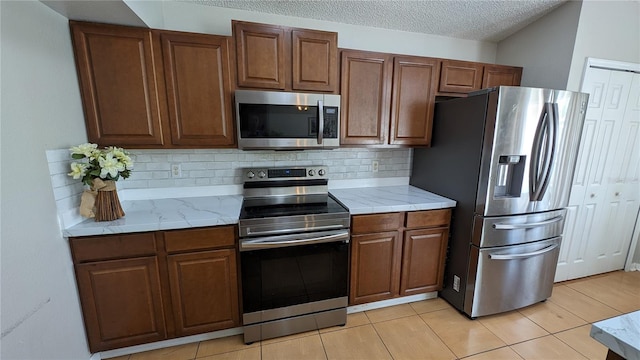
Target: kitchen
pixel 41 303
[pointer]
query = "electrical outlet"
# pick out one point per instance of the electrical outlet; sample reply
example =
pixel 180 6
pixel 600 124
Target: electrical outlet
pixel 456 283
pixel 176 170
pixel 374 166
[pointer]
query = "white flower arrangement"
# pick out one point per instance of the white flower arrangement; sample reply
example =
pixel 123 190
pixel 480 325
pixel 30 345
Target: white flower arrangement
pixel 109 163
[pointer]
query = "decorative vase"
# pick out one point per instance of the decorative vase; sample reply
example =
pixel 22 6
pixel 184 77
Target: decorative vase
pixel 107 205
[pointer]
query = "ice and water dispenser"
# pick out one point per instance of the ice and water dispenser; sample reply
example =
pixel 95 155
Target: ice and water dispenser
pixel 510 175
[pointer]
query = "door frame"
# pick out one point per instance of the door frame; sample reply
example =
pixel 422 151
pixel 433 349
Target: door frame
pixel 614 65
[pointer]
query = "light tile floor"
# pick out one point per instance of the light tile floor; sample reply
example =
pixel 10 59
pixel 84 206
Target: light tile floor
pixel 432 329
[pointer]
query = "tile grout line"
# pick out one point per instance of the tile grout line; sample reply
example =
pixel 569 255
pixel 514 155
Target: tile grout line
pixel 438 335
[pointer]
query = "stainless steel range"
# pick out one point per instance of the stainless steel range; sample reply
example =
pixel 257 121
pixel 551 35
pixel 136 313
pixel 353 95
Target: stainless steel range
pixel 294 253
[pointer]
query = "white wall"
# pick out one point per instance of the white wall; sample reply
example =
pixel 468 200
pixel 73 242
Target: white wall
pixel 544 48
pixel 40 110
pixel 182 16
pixel 607 30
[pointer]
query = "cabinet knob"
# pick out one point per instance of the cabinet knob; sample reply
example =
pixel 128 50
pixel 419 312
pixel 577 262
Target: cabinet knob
pixel 592 196
pixel 617 193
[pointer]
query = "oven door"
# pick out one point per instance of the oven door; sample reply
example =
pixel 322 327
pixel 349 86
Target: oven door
pixel 284 276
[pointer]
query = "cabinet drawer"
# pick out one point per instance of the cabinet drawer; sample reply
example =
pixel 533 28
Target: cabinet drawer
pixel 361 224
pixel 108 247
pixel 198 239
pixel 418 219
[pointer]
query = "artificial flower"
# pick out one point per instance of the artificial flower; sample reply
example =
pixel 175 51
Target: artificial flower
pixel 109 163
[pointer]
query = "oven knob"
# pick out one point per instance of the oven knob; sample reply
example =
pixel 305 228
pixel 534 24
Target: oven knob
pixel 312 172
pixel 261 174
pixel 250 175
pixel 321 172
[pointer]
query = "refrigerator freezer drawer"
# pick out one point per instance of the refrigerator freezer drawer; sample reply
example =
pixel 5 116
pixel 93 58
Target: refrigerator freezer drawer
pixel 517 229
pixel 511 277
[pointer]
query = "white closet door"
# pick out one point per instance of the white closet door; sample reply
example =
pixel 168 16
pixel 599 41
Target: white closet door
pixel 601 216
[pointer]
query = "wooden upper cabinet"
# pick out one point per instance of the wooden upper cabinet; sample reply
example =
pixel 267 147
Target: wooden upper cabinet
pixel 496 75
pixel 415 81
pixel 387 100
pixel 283 58
pixel 314 60
pixel 118 84
pixel 460 76
pixel 365 97
pixel 198 86
pixel 260 55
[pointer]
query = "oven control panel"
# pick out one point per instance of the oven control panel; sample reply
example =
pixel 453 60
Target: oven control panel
pixel 285 173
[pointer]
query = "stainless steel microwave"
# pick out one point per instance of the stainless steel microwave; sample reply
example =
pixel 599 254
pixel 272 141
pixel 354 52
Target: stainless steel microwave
pixel 286 120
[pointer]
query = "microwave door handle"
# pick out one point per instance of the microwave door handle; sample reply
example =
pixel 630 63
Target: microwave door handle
pixel 320 121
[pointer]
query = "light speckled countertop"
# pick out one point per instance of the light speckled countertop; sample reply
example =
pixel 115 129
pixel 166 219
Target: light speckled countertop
pixel 621 334
pixel 188 212
pixel 370 200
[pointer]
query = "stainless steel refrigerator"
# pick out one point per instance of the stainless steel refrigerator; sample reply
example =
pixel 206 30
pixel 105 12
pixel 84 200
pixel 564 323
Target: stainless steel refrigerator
pixel 507 156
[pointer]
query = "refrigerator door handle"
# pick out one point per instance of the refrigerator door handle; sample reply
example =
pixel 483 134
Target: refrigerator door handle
pixel 543 152
pixel 550 151
pixel 499 226
pixel 522 256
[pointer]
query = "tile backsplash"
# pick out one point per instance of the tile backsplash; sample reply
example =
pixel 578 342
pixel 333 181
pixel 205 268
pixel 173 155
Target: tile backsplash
pixel 222 167
pixel 152 168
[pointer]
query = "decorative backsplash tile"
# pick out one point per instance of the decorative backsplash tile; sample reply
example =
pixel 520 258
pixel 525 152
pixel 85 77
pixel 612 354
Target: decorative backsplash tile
pixel 222 167
pixel 152 168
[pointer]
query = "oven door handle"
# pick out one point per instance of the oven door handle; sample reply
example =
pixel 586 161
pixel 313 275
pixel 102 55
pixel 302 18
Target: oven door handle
pixel 293 240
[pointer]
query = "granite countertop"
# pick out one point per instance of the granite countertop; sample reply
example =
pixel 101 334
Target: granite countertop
pixel 621 334
pixel 188 212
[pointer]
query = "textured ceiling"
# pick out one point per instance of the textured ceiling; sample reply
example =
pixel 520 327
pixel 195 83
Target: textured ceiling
pixel 487 20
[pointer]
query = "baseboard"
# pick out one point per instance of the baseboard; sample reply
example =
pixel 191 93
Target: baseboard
pixel 633 267
pixel 236 331
pixel 167 343
pixel 391 302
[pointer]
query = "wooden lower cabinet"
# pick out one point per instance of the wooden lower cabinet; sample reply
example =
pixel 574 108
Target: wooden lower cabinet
pixel 121 302
pixel 204 291
pixel 375 266
pixel 146 287
pixel 407 261
pixel 423 257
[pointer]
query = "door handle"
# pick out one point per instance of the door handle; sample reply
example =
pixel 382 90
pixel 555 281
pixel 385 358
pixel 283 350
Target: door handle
pixel 292 240
pixel 320 121
pixel 522 256
pixel 499 226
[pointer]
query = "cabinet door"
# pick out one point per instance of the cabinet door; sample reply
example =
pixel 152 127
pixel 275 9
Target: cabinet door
pixel 121 302
pixel 260 55
pixel 118 84
pixel 496 75
pixel 460 76
pixel 204 291
pixel 423 258
pixel 314 60
pixel 414 92
pixel 197 77
pixel 365 97
pixel 375 267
